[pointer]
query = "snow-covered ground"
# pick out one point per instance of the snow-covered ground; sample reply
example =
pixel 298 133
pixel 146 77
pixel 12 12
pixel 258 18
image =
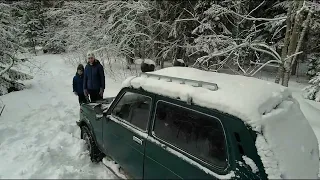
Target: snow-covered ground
pixel 38 134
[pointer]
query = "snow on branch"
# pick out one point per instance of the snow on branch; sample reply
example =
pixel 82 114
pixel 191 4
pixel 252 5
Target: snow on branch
pixel 217 10
pixel 271 51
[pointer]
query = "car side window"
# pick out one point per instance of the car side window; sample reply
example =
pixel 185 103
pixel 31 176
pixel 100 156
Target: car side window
pixel 133 108
pixel 200 135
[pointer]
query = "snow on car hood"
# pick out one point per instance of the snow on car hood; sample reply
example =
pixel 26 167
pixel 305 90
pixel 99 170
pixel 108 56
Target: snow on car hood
pixel 104 105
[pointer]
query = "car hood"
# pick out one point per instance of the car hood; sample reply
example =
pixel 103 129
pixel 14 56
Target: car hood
pixel 105 103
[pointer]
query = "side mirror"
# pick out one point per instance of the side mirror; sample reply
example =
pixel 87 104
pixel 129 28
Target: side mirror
pixel 98 111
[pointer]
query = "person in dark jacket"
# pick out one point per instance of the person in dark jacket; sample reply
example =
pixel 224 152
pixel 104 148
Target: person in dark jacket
pixel 77 84
pixel 94 79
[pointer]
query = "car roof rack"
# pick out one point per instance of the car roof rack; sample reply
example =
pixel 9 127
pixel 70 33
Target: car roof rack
pixel 194 83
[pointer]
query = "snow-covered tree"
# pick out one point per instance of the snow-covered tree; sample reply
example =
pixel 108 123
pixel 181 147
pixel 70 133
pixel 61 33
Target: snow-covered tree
pixel 236 31
pixel 8 48
pixel 132 29
pixel 228 34
pixel 313 64
pixel 75 26
pixel 55 32
pixel 312 91
pixel 244 34
pixel 32 24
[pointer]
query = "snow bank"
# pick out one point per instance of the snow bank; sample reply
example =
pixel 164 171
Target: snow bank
pixel 311 111
pixel 289 143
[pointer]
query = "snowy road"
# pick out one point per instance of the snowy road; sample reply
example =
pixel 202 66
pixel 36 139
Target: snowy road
pixel 38 134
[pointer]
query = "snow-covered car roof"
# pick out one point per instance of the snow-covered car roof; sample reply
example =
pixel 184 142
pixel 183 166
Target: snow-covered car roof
pixel 247 98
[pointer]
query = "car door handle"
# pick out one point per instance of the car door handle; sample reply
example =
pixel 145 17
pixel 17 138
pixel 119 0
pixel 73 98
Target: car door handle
pixel 137 140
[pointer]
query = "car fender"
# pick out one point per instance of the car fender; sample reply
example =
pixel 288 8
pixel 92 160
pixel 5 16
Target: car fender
pixel 86 122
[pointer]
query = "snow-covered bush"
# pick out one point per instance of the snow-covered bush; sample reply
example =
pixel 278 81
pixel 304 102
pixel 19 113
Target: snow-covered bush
pixel 312 91
pixel 9 46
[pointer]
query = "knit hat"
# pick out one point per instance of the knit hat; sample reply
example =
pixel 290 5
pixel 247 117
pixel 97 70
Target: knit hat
pixel 90 54
pixel 80 67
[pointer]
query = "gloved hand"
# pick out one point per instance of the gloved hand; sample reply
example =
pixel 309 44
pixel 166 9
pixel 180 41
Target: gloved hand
pixel 85 92
pixel 101 92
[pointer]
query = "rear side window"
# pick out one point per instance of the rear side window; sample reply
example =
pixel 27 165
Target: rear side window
pixel 197 134
pixel 133 108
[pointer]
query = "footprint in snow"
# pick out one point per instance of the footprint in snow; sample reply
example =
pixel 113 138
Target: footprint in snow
pixel 7 133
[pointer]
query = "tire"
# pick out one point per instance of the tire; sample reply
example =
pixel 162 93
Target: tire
pixel 95 154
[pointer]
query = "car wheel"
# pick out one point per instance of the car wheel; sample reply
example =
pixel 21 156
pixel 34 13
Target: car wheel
pixel 95 154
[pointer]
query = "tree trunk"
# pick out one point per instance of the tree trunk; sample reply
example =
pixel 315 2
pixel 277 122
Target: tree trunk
pixel 293 59
pixel 294 67
pixel 162 63
pixel 280 72
pixel 293 44
pixel 303 34
pixel 34 46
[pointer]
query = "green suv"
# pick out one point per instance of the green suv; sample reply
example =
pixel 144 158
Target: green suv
pixel 184 123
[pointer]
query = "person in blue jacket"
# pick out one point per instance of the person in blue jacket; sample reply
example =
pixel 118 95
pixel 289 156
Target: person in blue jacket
pixel 77 84
pixel 94 79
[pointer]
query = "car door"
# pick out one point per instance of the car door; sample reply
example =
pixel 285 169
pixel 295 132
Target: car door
pixel 125 130
pixel 96 123
pixel 189 144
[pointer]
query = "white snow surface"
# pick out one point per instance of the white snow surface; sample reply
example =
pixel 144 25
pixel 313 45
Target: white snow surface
pixel 147 61
pixel 234 91
pixel 251 164
pixel 150 62
pixel 288 143
pixel 180 60
pixel 114 166
pixel 39 137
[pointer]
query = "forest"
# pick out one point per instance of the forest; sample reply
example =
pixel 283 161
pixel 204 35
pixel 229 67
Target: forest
pixel 240 37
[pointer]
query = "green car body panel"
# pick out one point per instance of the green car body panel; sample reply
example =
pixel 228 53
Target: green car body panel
pixel 149 160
